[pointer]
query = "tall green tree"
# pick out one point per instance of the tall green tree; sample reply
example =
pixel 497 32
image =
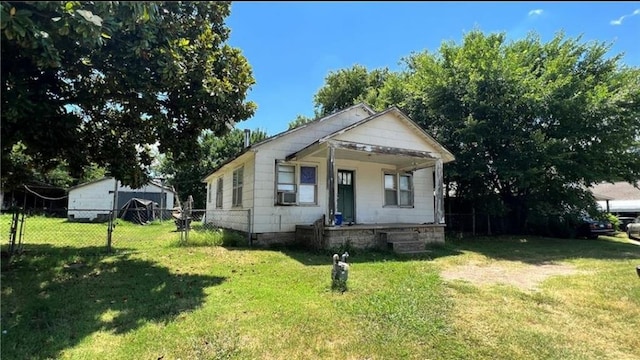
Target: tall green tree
pixel 21 170
pixel 101 82
pixel 212 151
pixel 347 87
pixel 531 124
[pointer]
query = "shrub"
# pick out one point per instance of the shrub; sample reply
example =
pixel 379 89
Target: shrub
pixel 615 222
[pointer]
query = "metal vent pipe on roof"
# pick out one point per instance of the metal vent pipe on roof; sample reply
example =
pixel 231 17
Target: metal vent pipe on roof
pixel 247 138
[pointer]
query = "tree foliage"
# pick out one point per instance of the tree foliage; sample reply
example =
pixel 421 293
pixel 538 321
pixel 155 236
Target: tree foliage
pixel 531 124
pixel 347 87
pixel 212 151
pixel 21 170
pixel 101 82
pixel 299 121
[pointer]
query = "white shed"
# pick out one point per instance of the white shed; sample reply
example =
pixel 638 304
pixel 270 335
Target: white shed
pixel 94 200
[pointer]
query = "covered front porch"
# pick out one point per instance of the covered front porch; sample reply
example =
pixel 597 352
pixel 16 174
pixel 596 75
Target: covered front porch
pixel 411 236
pixel 340 183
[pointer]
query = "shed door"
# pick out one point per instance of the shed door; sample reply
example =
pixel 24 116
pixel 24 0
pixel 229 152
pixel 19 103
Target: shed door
pixel 346 198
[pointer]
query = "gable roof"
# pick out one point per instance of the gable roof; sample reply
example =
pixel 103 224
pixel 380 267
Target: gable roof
pixel 310 123
pixel 110 178
pixel 446 154
pixel 90 183
pixel 259 144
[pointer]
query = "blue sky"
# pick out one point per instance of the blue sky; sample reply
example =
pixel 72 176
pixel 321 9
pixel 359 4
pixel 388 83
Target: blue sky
pixel 292 46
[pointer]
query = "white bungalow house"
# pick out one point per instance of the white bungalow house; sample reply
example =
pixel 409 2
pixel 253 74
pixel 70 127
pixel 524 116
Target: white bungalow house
pixel 94 200
pixel 353 176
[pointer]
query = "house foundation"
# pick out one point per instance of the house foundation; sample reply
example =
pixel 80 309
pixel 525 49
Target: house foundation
pixel 363 236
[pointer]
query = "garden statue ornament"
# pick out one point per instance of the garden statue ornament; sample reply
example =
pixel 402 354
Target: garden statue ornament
pixel 340 272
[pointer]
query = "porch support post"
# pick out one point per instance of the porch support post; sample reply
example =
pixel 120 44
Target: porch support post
pixel 439 193
pixel 331 182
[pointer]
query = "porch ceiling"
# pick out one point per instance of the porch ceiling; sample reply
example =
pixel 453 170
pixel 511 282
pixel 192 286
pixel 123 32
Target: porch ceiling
pixel 402 162
pixel 402 159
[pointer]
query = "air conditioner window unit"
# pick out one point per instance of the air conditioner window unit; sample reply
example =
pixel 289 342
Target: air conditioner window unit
pixel 285 197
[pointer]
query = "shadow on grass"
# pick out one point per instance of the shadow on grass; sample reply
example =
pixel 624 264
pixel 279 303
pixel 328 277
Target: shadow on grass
pixel 54 297
pixel 539 250
pixel 527 249
pixel 324 257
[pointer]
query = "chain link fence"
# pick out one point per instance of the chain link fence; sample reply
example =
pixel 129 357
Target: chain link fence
pixel 96 228
pixel 474 224
pixel 49 227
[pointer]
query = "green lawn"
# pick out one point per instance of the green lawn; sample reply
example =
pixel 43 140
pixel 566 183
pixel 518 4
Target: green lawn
pixel 66 298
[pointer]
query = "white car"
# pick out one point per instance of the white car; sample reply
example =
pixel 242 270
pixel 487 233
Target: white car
pixel 633 229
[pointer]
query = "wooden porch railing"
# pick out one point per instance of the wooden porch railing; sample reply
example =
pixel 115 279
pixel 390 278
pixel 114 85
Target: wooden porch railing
pixel 318 232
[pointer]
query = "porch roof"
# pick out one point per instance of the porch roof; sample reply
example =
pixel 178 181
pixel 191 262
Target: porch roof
pixel 403 159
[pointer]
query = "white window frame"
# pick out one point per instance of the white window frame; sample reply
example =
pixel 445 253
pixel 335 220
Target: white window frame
pixel 238 185
pixel 314 185
pixel 283 189
pixel 398 190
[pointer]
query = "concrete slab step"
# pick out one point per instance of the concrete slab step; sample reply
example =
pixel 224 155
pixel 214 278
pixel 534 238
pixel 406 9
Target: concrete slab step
pixel 403 247
pixel 413 252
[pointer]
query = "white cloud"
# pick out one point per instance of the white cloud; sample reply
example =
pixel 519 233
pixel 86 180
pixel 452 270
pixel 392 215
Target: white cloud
pixel 619 20
pixel 535 12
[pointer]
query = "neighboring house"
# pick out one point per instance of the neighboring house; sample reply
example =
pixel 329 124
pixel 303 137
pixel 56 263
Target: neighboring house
pixel 619 198
pixel 93 200
pixel 375 173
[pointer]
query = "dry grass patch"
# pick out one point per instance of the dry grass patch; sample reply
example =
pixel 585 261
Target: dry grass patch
pixel 540 298
pixel 522 276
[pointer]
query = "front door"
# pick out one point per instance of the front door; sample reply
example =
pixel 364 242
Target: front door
pixel 346 198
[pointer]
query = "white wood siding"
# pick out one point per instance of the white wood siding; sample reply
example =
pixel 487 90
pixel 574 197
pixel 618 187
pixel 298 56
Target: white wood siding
pixel 87 201
pixel 301 138
pixel 369 197
pixel 231 217
pixel 269 217
pixel 387 130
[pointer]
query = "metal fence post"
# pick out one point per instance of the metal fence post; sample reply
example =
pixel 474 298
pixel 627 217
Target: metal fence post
pixel 109 231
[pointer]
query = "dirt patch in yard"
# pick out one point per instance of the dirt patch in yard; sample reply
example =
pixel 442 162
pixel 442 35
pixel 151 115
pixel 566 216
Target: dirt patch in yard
pixel 526 277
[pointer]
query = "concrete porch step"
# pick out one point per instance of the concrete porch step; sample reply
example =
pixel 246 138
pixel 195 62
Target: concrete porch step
pixel 408 247
pixel 402 242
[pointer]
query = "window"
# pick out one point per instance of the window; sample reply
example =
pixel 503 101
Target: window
pixel 209 194
pixel 219 194
pixel 390 189
pixel 406 190
pixel 308 184
pixel 344 178
pixel 296 185
pixel 238 176
pixel 286 184
pixel 398 189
